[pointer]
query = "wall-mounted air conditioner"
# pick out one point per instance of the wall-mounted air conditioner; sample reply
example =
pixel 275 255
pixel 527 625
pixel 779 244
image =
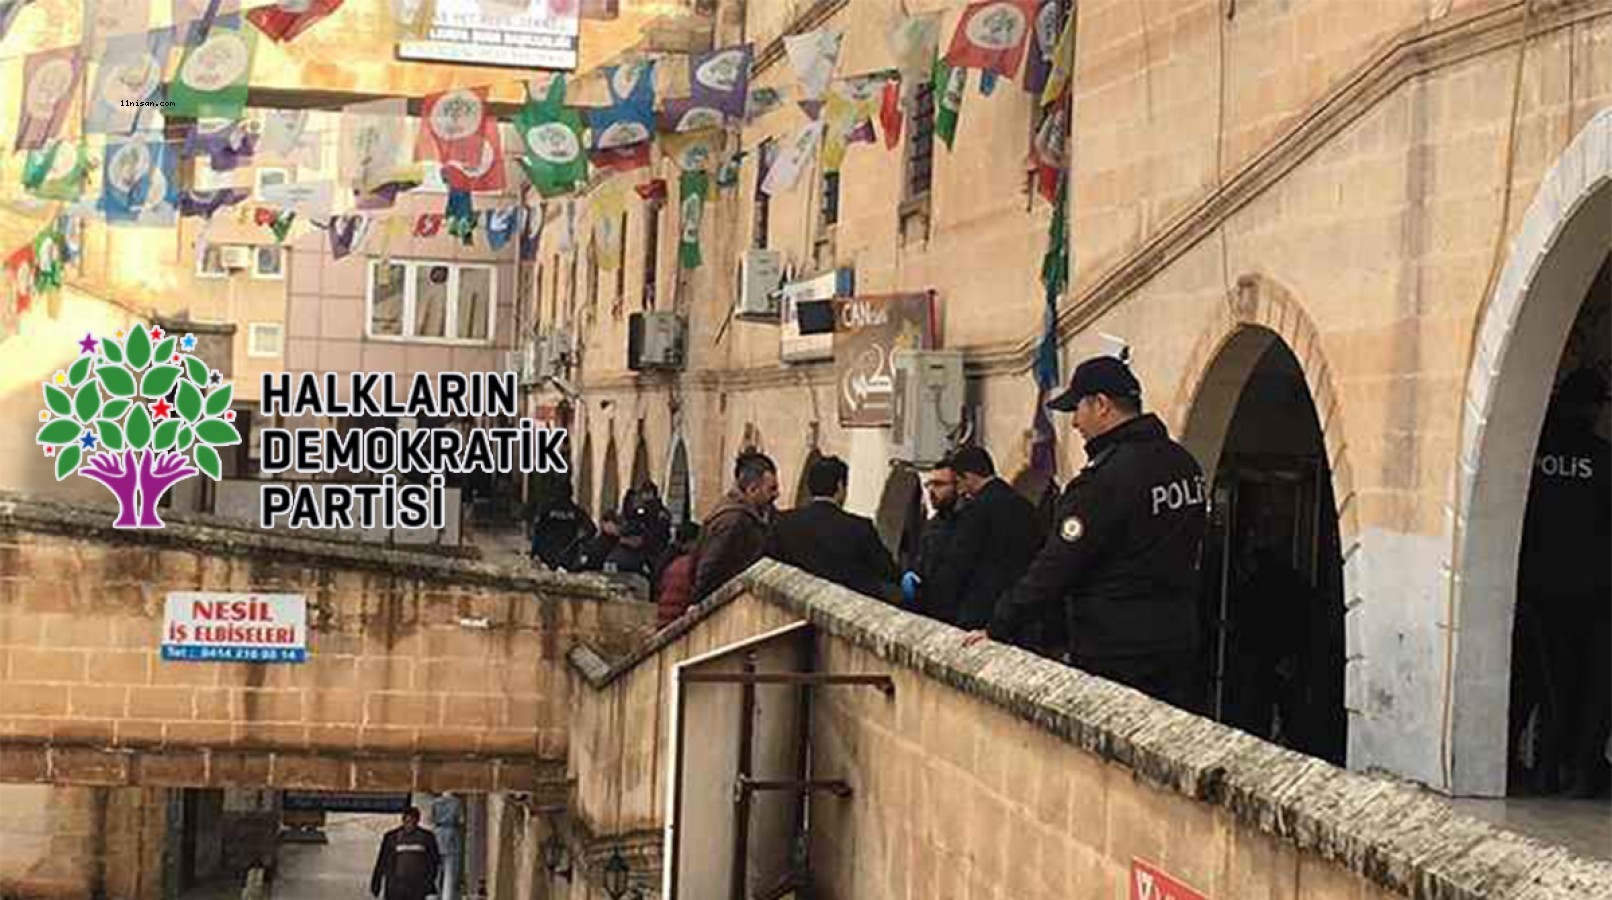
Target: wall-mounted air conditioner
pixel 760 274
pixel 655 340
pixel 235 257
pixel 929 398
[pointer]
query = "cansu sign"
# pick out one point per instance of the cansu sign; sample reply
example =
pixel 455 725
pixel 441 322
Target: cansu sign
pixel 235 627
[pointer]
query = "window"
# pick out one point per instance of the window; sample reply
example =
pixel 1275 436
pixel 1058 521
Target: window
pixel 431 301
pixel 651 252
pixel 264 339
pixel 269 262
pixel 593 279
pixel 920 161
pixel 269 177
pixel 537 301
pixel 761 204
pixel 211 263
pixel 828 210
pixel 618 304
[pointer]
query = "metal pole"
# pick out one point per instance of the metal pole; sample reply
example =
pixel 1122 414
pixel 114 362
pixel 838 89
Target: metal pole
pixel 741 797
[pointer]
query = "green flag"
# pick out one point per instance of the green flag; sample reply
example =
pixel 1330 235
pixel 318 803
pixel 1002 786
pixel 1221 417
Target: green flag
pixel 57 172
pixel 554 162
pixel 692 188
pixel 950 85
pixel 213 76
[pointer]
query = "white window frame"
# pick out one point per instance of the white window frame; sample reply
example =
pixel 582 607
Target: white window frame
pixel 410 289
pixel 257 270
pixel 257 178
pixel 201 263
pixel 256 328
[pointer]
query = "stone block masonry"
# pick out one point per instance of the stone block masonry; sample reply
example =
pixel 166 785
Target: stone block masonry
pixel 423 672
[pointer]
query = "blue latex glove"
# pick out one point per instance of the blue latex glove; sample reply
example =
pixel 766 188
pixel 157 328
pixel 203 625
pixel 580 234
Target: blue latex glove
pixel 909 587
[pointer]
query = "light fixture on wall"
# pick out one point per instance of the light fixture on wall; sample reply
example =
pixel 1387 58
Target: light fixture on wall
pixel 556 856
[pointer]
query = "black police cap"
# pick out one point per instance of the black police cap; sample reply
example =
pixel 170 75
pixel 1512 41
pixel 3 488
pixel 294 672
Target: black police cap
pixel 1098 375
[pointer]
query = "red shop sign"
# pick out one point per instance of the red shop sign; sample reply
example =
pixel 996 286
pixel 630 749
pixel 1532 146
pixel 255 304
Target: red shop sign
pixel 1151 883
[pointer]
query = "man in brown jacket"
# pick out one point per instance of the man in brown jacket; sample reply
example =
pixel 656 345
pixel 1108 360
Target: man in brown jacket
pixel 735 533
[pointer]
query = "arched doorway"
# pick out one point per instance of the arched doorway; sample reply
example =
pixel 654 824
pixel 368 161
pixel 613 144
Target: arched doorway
pixel 1518 357
pixel 610 479
pixel 803 494
pixel 583 467
pixel 900 518
pixel 679 485
pixel 640 461
pixel 1272 599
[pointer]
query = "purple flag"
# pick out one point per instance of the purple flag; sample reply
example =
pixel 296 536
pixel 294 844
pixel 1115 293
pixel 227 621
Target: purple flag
pixel 1043 40
pixel 531 232
pixel 226 144
pixel 48 83
pixel 204 203
pixel 719 88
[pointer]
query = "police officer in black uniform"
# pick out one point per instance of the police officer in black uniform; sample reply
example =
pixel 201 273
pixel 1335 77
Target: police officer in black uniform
pixel 1123 554
pixel 560 530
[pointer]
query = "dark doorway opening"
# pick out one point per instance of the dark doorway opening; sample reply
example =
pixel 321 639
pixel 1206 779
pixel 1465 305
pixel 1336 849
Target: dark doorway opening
pixel 1272 598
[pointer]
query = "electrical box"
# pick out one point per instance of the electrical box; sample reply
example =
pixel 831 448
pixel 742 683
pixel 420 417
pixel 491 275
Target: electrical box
pixel 760 274
pixel 928 387
pixel 235 257
pixel 655 340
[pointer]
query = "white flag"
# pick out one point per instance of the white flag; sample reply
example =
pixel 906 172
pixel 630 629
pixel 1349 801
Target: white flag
pixel 792 160
pixel 913 42
pixel 813 56
pixel 373 139
pixel 286 138
pixel 108 18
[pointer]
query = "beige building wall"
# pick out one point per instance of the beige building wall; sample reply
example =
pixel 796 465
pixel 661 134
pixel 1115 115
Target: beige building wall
pixel 82 841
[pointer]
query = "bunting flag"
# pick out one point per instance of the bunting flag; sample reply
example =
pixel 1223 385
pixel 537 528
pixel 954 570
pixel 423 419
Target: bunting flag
pixel 139 184
pixel 193 20
pixel 202 204
pixel 532 221
pixel 105 20
pixel 987 83
pixel 1054 278
pixel 411 19
pixel 951 84
pixel 213 75
pixel 719 88
pixel 629 120
pixel 814 56
pixel 461 216
pixel 466 139
pixel 427 225
pixel 607 206
pixel 281 224
pixel 762 100
pixel 57 172
pixel 554 162
pixel 727 174
pixel 891 117
pixel 991 36
pixel 850 103
pixel 565 240
pixel 371 141
pixel 127 81
pixel 501 226
pixel 1063 64
pixel 692 188
pixel 9 10
pixel 286 138
pixel 1042 43
pixel 284 20
pixel 227 144
pixel 20 275
pixel 652 191
pixel 1049 151
pixel 784 174
pixel 620 159
pixel 50 253
pixel 346 233
pixel 913 43
pixel 49 81
pixel 700 150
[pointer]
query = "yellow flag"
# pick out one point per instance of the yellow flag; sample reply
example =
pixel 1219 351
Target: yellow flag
pixel 1063 65
pixel 605 208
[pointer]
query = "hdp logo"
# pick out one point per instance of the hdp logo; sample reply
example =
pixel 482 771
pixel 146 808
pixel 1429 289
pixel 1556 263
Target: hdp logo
pixel 98 423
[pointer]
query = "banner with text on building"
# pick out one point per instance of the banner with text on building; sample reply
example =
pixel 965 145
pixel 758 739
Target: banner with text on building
pixel 218 627
pixel 867 332
pixel 529 34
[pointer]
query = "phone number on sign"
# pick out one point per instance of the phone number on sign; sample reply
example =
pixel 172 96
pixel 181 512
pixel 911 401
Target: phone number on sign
pixel 234 654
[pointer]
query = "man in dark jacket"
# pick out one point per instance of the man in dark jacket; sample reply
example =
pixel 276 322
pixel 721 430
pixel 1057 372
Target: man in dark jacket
pixel 735 533
pixel 934 546
pixel 560 530
pixel 1124 558
pixel 408 861
pixel 591 555
pixel 630 556
pixel 829 542
pixel 997 535
pixel 643 505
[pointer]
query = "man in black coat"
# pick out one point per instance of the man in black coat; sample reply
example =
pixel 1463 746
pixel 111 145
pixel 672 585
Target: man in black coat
pixel 1123 561
pixel 831 543
pixel 998 533
pixel 934 546
pixel 560 530
pixel 408 861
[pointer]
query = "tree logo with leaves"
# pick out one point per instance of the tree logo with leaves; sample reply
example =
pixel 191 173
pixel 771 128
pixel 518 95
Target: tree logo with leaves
pixel 137 412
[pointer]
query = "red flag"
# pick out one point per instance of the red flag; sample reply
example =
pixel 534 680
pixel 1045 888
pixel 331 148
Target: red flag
pixel 262 216
pixel 289 18
pixel 466 139
pixel 890 115
pixel 20 272
pixel 428 225
pixel 991 36
pixel 620 159
pixel 652 190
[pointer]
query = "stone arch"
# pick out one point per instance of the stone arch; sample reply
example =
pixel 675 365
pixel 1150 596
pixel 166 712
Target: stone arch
pixel 610 478
pixel 640 459
pixel 900 516
pixel 679 489
pixel 802 494
pixel 583 464
pixel 1560 243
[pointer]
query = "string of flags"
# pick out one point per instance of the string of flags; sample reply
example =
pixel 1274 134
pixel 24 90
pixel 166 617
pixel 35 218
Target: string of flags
pixel 569 152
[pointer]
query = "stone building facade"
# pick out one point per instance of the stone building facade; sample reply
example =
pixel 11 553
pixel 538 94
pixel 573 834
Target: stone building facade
pixel 1379 220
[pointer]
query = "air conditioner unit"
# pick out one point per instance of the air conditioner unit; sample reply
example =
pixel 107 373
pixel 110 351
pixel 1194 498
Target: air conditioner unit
pixel 928 387
pixel 655 340
pixel 513 360
pixel 760 274
pixel 555 354
pixel 235 257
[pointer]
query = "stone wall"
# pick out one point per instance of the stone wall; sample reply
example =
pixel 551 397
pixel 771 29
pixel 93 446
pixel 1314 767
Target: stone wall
pixel 423 673
pixel 991 772
pixel 58 843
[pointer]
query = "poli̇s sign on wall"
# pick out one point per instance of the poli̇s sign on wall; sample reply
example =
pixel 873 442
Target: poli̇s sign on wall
pixel 213 627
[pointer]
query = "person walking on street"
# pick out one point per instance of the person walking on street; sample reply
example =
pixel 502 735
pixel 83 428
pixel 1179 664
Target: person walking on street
pixel 735 533
pixel 406 868
pixel 1124 559
pixel 997 535
pixel 920 584
pixel 825 540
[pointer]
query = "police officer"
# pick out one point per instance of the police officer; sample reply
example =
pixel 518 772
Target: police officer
pixel 560 530
pixel 1123 554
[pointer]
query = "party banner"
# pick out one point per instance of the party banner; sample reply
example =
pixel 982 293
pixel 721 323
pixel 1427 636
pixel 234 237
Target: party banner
pixel 692 189
pixel 213 75
pixel 49 80
pixel 813 56
pixel 554 162
pixel 194 203
pixel 607 205
pixel 127 81
pixel 620 159
pixel 193 20
pixel 371 143
pixel 950 86
pixel 466 139
pixel 695 150
pixel 226 144
pixel 107 19
pixel 20 275
pixel 850 103
pixel 501 226
pixel 284 20
pixel 719 86
pixel 286 138
pixel 762 100
pixel 1043 42
pixel 57 172
pixel 793 159
pixel 913 42
pixel 1063 65
pixel 139 184
pixel 991 36
pixel 630 117
pixel 532 221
